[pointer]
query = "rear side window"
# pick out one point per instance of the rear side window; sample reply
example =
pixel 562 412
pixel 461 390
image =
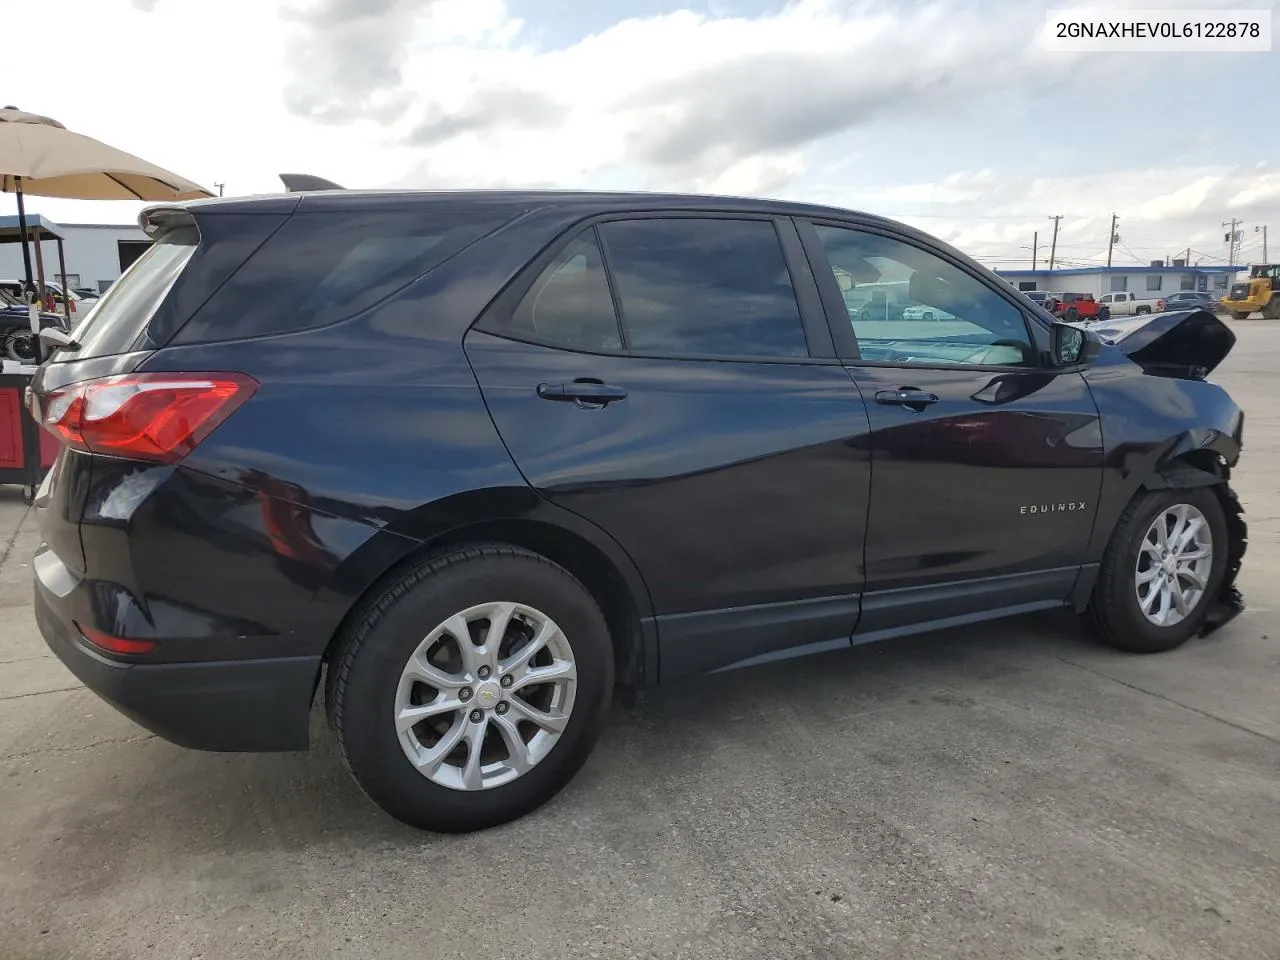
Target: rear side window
pixel 691 287
pixel 323 267
pixel 114 323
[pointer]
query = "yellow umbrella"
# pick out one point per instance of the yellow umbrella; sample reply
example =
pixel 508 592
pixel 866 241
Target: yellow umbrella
pixel 41 157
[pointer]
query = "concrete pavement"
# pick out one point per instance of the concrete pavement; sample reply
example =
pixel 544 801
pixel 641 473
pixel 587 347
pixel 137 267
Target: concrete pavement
pixel 1012 790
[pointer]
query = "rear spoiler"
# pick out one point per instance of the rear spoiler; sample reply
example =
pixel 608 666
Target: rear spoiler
pixel 158 220
pixel 300 182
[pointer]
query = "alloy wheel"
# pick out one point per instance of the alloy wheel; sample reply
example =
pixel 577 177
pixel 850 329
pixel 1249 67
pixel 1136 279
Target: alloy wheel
pixel 485 696
pixel 1174 561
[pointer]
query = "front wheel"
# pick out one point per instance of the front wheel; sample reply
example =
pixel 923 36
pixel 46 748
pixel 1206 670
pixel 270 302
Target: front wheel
pixel 1239 315
pixel 1161 570
pixel 472 689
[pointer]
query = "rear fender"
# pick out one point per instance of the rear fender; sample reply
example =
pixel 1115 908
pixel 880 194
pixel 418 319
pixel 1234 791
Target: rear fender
pixel 475 516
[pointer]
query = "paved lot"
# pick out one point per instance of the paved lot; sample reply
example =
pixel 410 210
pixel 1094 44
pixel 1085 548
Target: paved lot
pixel 1008 791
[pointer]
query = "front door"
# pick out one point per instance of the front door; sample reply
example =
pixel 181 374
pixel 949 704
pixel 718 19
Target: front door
pixel 986 462
pixel 705 424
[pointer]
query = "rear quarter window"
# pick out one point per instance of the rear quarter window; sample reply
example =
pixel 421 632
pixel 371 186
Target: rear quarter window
pixel 323 267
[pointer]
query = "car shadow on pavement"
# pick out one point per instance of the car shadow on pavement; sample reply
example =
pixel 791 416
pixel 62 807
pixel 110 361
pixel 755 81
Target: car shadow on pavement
pixel 198 805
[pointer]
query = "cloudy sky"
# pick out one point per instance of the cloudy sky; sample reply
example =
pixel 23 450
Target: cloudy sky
pixel 948 115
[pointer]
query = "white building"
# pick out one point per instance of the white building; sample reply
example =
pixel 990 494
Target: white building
pixel 1151 281
pixel 96 254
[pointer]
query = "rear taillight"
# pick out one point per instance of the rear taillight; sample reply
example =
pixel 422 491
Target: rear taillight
pixel 113 644
pixel 1159 306
pixel 144 416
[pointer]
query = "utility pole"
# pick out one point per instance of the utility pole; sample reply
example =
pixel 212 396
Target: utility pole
pixel 1035 247
pixel 1263 228
pixel 1231 240
pixel 1053 247
pixel 1111 239
pixel 219 186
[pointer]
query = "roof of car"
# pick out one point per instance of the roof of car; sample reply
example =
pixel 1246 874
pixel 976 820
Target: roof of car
pixel 576 204
pixel 588 200
pixel 596 199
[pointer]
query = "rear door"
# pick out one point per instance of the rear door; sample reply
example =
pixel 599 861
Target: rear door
pixel 688 401
pixel 986 463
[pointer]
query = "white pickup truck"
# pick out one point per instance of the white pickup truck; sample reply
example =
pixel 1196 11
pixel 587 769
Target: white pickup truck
pixel 1131 305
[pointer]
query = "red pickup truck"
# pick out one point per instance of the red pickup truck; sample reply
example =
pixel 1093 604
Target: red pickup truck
pixel 1079 306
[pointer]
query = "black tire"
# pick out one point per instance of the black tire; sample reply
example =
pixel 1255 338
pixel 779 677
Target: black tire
pixel 366 668
pixel 1072 314
pixel 1113 612
pixel 1142 311
pixel 1239 315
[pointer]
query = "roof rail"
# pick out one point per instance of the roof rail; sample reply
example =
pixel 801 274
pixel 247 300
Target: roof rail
pixel 299 182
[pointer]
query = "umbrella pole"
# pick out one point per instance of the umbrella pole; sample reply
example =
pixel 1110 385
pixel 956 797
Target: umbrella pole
pixel 66 291
pixel 41 290
pixel 22 227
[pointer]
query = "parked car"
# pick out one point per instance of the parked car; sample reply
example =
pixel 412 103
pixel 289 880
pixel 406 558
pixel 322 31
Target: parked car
pixel 1192 299
pixel 437 453
pixel 1043 298
pixel 14 289
pixel 1079 306
pixel 925 312
pixel 1130 305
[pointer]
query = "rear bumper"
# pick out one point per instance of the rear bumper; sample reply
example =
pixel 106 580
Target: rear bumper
pixel 249 705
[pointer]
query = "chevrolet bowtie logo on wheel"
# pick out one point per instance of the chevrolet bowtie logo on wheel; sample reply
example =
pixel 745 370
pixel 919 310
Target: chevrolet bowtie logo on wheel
pixel 1069 506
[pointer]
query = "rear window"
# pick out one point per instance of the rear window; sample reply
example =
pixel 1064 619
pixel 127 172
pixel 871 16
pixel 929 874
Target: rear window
pixel 323 267
pixel 114 322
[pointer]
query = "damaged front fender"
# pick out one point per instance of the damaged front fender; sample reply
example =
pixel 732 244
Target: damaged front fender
pixel 1229 603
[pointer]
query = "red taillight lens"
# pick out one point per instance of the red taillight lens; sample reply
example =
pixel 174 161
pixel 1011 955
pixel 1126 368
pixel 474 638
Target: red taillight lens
pixel 1159 306
pixel 105 641
pixel 147 416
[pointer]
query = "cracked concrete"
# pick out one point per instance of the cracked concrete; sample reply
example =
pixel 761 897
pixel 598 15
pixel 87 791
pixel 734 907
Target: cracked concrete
pixel 1012 790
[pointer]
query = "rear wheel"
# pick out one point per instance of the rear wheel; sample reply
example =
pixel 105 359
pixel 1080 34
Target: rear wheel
pixel 1142 311
pixel 1163 566
pixel 472 689
pixel 1239 315
pixel 1072 314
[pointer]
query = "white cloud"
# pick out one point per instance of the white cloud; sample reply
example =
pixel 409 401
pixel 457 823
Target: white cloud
pixel 1163 210
pixel 454 93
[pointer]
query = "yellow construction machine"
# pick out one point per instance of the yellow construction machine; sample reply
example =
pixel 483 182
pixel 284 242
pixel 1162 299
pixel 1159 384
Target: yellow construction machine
pixel 1259 294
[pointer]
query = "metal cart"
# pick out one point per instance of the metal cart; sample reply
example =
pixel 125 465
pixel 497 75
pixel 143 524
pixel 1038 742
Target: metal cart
pixel 26 451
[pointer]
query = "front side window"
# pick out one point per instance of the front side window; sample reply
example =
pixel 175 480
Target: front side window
pixel 908 305
pixel 694 287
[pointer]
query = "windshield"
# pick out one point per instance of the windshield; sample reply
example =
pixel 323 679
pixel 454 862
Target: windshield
pixel 122 313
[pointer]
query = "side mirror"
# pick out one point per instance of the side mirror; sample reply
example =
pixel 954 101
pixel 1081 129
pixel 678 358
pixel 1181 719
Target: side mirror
pixel 1071 345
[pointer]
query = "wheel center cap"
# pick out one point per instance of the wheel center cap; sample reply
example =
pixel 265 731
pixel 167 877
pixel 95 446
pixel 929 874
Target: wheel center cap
pixel 488 695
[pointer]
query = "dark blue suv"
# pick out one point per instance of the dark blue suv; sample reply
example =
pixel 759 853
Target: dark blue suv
pixel 471 459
